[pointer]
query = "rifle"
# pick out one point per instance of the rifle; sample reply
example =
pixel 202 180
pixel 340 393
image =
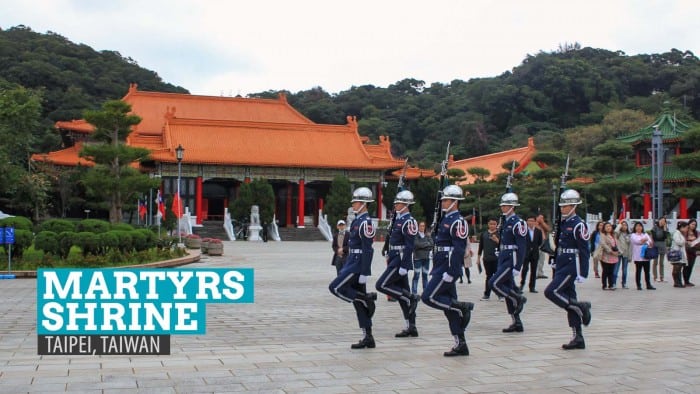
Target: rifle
pixel 437 214
pixel 400 187
pixel 556 222
pixel 509 189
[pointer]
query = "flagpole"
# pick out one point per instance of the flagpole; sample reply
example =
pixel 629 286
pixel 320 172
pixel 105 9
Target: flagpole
pixel 179 151
pixel 138 212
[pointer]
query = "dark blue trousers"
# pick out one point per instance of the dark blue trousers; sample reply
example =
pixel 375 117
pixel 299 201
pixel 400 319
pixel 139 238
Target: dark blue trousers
pixel 562 292
pixel 395 285
pixel 440 295
pixel 346 287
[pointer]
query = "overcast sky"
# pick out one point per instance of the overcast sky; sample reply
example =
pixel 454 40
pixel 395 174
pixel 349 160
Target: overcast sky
pixel 239 47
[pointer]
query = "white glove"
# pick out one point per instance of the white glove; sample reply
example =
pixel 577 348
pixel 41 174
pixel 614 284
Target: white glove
pixel 403 271
pixel 363 279
pixel 516 272
pixel 447 277
pixel 580 279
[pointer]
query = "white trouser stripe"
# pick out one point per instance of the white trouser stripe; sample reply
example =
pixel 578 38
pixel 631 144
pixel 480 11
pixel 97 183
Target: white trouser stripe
pixel 390 290
pixel 434 301
pixel 341 284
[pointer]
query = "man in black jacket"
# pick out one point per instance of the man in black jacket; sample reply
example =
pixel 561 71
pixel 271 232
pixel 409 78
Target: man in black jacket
pixel 532 253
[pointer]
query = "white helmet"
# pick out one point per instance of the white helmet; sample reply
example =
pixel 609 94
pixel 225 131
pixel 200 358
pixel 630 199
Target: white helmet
pixel 569 197
pixel 404 197
pixel 452 192
pixel 509 199
pixel 362 194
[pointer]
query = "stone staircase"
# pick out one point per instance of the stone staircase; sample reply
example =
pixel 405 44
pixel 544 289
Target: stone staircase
pixel 211 229
pixel 301 234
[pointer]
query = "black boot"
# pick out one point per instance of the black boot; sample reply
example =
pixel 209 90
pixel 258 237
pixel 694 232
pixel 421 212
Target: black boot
pixel 677 281
pixel 459 349
pixel 521 303
pixel 369 299
pixel 516 326
pixel 366 342
pixel 413 304
pixel 576 342
pixel 466 309
pixel 411 331
pixel 586 312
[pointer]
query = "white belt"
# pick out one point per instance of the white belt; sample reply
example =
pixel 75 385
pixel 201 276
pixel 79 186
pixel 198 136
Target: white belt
pixel 509 247
pixel 355 250
pixel 444 248
pixel 397 247
pixel 573 251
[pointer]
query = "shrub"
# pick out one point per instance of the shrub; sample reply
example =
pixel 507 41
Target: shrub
pixel 18 222
pixel 108 241
pixel 57 225
pixel 66 240
pixel 92 226
pixel 139 240
pixel 88 242
pixel 48 242
pixel 125 243
pixel 23 240
pixel 122 227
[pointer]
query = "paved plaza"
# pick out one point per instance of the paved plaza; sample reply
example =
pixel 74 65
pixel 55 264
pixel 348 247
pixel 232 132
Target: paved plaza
pixel 296 338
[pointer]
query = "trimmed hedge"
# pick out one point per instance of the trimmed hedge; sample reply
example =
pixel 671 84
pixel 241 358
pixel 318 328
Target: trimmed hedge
pixel 18 222
pixel 48 242
pixel 57 226
pixel 92 226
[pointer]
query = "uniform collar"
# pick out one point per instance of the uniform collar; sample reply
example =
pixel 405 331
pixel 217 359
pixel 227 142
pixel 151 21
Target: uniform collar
pixel 452 213
pixel 361 215
pixel 399 215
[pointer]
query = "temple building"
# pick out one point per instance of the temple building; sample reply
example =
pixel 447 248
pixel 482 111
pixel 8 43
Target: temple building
pixel 228 141
pixel 673 177
pixel 494 162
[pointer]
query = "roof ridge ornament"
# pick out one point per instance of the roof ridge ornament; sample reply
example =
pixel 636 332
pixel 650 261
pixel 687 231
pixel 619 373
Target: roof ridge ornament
pixel 169 113
pixel 282 96
pixel 352 121
pixel 133 87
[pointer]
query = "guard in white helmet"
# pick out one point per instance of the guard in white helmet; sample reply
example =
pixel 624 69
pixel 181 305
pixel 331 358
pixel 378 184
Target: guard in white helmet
pixel 572 266
pixel 394 281
pixel 450 246
pixel 511 255
pixel 351 284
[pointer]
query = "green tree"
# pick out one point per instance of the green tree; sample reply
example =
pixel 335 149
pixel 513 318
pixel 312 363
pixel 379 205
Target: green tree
pixel 264 198
pixel 240 207
pixel 690 161
pixel 112 179
pixel 338 199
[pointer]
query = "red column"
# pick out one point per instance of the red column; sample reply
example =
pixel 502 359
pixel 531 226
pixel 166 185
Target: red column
pixel 300 209
pixel 636 158
pixel 246 180
pixel 647 205
pixel 379 201
pixel 320 204
pixel 678 149
pixel 289 205
pixel 683 208
pixel 198 199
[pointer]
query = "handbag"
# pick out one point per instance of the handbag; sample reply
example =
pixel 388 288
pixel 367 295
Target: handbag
pixel 674 256
pixel 651 252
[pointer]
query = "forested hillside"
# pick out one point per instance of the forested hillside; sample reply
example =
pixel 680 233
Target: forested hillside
pixel 544 95
pixel 71 77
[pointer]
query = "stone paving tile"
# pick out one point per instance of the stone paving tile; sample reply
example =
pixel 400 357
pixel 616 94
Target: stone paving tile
pixel 296 338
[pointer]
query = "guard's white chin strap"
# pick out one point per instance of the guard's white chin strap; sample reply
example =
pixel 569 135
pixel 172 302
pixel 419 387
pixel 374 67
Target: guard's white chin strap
pixel 450 207
pixel 364 204
pixel 507 213
pixel 402 210
pixel 570 214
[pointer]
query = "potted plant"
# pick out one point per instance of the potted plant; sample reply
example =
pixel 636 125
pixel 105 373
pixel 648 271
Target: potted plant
pixel 216 247
pixel 193 241
pixel 205 245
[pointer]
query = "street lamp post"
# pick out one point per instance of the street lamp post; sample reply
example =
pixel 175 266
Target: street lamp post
pixel 179 153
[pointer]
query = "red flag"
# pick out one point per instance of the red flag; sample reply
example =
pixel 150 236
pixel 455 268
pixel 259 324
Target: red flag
pixel 177 206
pixel 142 209
pixel 161 204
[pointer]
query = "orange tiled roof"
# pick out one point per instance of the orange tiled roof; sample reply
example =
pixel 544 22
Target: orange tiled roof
pixel 494 161
pixel 80 126
pixel 64 157
pixel 238 131
pixel 412 173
